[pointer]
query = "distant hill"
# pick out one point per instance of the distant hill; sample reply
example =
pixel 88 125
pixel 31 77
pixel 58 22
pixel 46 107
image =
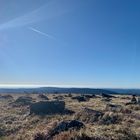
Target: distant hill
pixel 69 90
pixel 55 90
pixel 126 91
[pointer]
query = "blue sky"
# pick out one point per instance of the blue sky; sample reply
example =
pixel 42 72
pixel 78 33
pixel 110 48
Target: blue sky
pixel 89 43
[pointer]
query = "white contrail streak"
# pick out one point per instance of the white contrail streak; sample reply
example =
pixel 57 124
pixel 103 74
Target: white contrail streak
pixel 41 33
pixel 45 12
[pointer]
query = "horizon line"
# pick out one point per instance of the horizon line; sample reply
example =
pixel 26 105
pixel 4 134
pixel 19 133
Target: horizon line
pixel 60 86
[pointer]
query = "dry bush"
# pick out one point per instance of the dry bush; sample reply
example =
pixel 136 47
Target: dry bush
pixel 134 107
pixel 88 115
pixel 111 118
pixel 125 133
pixel 73 135
pixel 40 136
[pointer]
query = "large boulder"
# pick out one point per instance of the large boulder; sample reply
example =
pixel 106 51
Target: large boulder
pixel 88 115
pixel 47 107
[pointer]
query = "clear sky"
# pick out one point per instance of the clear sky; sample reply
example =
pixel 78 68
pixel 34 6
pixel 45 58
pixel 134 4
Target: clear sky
pixel 89 43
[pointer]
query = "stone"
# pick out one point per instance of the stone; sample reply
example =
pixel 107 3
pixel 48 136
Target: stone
pixel 88 115
pixel 47 107
pixel 138 100
pixel 66 125
pixel 80 98
pixel 9 97
pixel 113 108
pixel 107 95
pixel 89 95
pixel 23 100
pixel 133 100
pixel 60 97
pixel 110 118
pixel 42 96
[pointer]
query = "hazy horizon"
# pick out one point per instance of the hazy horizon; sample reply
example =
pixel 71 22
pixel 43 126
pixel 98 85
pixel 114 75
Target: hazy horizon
pixel 62 86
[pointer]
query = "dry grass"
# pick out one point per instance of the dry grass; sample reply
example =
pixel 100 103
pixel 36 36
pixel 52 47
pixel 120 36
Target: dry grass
pixel 17 124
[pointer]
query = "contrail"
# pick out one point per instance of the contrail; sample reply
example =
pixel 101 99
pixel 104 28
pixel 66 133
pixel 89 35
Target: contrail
pixel 41 33
pixel 42 13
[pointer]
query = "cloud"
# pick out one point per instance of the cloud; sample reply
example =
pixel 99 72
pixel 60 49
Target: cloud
pixel 41 33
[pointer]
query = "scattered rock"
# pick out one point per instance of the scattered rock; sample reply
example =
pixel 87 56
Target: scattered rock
pixel 86 137
pixel 134 107
pixel 60 97
pixel 106 99
pixel 89 96
pixel 126 111
pixel 23 100
pixel 69 95
pixel 40 136
pixel 65 126
pixel 88 115
pixel 104 95
pixel 138 100
pixel 113 108
pixel 110 118
pixel 80 98
pixel 42 96
pixel 133 100
pixel 126 97
pixel 47 107
pixel 9 97
pixel 56 130
pixel 67 111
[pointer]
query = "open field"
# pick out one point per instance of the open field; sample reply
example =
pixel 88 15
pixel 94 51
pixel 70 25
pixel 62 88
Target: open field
pixel 102 118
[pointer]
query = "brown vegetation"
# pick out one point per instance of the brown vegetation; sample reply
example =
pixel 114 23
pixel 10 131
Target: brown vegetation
pixel 102 119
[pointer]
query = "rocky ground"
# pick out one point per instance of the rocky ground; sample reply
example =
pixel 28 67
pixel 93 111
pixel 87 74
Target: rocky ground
pixel 68 117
